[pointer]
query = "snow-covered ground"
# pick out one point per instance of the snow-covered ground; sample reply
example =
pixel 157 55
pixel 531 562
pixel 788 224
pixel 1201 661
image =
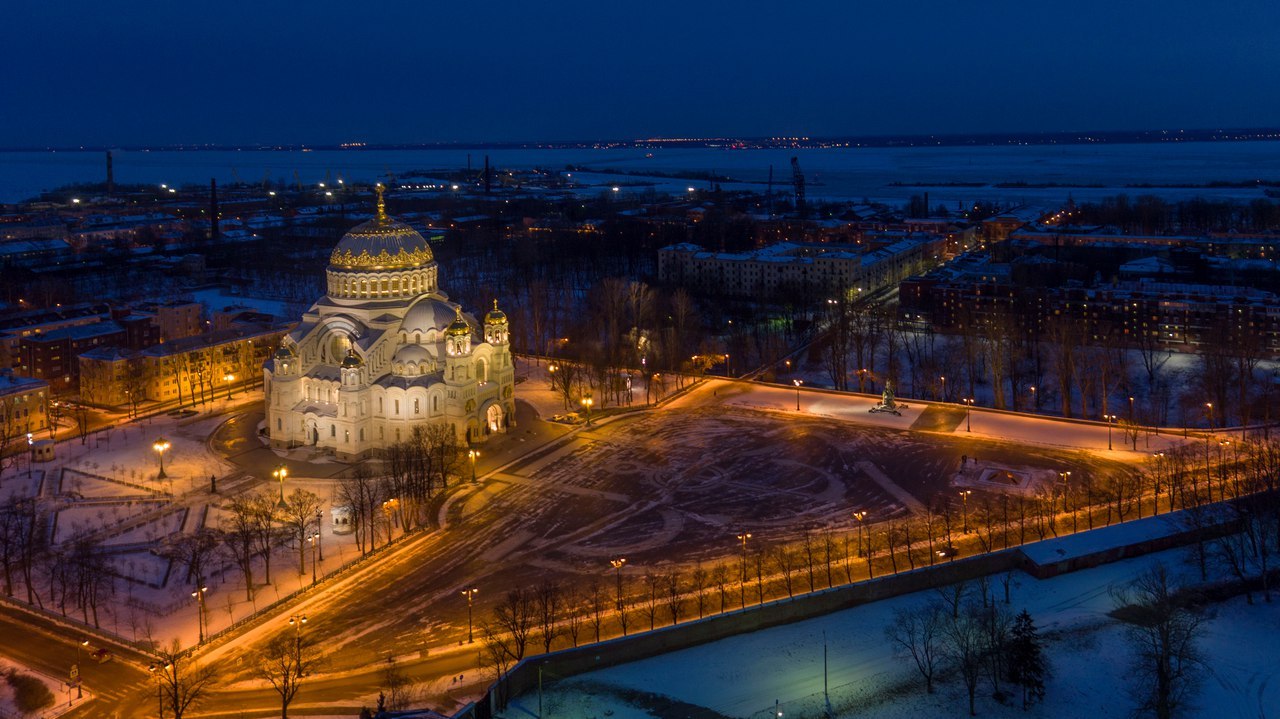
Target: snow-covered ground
pixel 65 698
pixel 1088 651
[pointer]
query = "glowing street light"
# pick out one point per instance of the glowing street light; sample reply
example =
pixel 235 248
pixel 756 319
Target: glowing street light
pixel 312 540
pixel 617 572
pixel 161 446
pixel 964 496
pixel 198 595
pixel 470 595
pixel 229 378
pixel 861 516
pixel 1110 418
pixel 743 538
pixel 280 472
pixel 472 454
pixel 586 402
pixel 797 383
pixel 968 408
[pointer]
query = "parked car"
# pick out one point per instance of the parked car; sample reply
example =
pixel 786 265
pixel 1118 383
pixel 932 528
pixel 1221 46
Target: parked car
pixel 101 656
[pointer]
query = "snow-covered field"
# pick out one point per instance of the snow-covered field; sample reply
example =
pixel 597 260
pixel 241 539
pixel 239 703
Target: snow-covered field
pixel 1089 654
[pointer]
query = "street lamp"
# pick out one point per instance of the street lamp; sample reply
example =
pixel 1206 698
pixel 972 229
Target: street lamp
pixel 319 538
pixel 1131 425
pixel 861 517
pixel 944 387
pixel 312 541
pixel 586 402
pixel 1158 456
pixel 968 406
pixel 617 572
pixel 297 621
pixel 160 446
pixel 1209 407
pixel 155 669
pixel 1035 400
pixel 743 538
pixel 280 472
pixel 1111 418
pixel 198 595
pixel 964 497
pixel 229 379
pixel 472 454
pixel 31 453
pixel 797 383
pixel 470 595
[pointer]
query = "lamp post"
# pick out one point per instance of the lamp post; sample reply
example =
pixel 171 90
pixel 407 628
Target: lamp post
pixel 198 595
pixel 964 497
pixel 797 383
pixel 156 671
pixel 297 621
pixel 861 517
pixel 1159 457
pixel 1064 476
pixel 319 529
pixel 31 453
pixel 1035 400
pixel 1209 408
pixel 1111 418
pixel 1132 427
pixel 470 595
pixel 551 376
pixel 587 402
pixel 312 541
pixel 160 446
pixel 617 573
pixel 280 472
pixel 944 387
pixel 743 538
pixel 472 454
pixel 229 378
pixel 968 407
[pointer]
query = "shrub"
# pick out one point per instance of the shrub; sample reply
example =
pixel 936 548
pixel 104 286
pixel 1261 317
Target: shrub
pixel 29 694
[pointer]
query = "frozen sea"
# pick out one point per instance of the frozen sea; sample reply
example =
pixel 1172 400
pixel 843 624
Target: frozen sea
pixel 838 173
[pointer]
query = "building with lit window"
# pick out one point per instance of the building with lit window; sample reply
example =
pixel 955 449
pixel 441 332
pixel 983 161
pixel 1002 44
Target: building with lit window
pixel 385 350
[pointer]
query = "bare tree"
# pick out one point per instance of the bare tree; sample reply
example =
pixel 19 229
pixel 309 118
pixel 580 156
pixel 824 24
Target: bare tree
pixel 672 584
pixel 184 683
pixel 966 645
pixel 515 616
pixel 287 659
pixel 548 599
pixel 298 515
pixel 916 632
pixel 1164 631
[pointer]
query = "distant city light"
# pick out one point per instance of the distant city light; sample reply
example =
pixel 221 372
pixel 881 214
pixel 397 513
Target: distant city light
pixel 616 189
pixel 75 200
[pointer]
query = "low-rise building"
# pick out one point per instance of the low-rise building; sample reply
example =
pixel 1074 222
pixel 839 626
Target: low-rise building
pixel 24 407
pixel 808 269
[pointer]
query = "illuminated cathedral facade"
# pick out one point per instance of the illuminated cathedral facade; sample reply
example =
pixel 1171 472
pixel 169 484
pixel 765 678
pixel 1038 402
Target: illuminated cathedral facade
pixel 385 350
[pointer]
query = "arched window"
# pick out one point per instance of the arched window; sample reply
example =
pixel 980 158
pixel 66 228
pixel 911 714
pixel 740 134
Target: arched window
pixel 416 408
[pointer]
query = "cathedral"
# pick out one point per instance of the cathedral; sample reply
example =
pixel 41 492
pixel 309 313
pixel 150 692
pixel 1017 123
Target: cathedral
pixel 385 350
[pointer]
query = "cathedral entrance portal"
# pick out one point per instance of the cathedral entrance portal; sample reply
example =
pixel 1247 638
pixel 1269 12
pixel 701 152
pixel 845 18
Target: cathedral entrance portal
pixel 493 417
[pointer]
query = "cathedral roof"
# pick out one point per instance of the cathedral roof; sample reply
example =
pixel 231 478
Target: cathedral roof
pixel 427 314
pixel 383 243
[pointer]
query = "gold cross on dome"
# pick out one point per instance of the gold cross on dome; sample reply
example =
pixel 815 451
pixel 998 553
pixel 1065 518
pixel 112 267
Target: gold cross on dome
pixel 382 203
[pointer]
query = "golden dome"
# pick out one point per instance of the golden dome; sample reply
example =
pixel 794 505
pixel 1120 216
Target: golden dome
pixel 495 315
pixel 383 243
pixel 352 360
pixel 459 326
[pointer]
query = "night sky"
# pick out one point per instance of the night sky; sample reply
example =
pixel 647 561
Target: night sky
pixel 88 72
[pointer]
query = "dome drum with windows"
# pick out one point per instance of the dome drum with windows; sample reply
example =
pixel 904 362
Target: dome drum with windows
pixel 385 350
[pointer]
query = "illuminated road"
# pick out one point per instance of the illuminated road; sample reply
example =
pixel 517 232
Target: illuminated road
pixel 665 489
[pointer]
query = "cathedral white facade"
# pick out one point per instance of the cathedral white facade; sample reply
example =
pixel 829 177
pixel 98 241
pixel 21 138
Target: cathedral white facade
pixel 385 350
